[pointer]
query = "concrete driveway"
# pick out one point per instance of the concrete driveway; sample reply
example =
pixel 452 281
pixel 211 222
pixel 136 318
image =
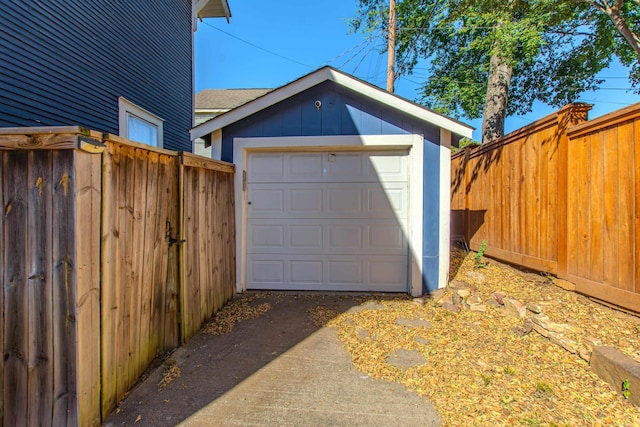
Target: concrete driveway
pixel 275 370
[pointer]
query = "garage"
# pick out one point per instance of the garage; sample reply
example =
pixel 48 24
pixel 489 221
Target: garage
pixel 327 221
pixel 340 186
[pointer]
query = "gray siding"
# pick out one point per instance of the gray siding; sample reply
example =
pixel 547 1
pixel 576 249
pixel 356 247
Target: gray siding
pixel 67 62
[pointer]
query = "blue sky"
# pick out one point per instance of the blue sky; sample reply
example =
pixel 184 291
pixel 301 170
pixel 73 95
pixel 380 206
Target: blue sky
pixel 269 44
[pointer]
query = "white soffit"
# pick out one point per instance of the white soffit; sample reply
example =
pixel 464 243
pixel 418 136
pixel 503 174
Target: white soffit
pixel 344 80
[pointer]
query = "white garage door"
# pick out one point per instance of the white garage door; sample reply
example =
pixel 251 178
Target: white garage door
pixel 327 221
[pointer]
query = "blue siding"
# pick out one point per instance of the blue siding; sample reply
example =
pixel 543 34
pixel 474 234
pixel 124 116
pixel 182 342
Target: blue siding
pixel 67 62
pixel 344 112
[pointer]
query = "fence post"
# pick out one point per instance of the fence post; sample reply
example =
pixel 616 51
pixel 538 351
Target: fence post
pixel 569 115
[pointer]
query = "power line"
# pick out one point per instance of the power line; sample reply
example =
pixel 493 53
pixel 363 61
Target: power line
pixel 259 47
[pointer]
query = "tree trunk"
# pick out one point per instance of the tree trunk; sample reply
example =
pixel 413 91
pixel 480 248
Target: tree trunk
pixel 623 28
pixel 495 106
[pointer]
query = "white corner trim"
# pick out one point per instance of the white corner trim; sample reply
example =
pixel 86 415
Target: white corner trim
pixel 242 147
pixel 445 208
pixel 345 80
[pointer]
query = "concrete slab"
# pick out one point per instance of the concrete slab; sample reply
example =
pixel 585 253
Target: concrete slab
pixel 276 370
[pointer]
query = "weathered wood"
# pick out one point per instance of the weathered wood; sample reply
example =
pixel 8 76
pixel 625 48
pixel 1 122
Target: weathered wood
pixel 169 258
pixel 124 202
pixel 16 293
pixel 88 183
pixel 149 331
pixel 3 253
pixel 40 227
pixel 195 161
pixel 39 141
pixel 65 393
pixel 110 312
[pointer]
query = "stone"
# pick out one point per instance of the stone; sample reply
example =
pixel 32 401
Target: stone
pixel 422 340
pixel 499 296
pixel 534 308
pixel 419 301
pixel 363 333
pixel 447 299
pixel 476 276
pixel 413 323
pixel 584 354
pixel 451 307
pixel 436 295
pixel 524 329
pixel 542 331
pixel 458 284
pixel 456 299
pixel 547 324
pixel 474 300
pixel 514 308
pixel 463 293
pixel 564 342
pixel 493 303
pixel 405 359
pixel 615 367
pixel 478 307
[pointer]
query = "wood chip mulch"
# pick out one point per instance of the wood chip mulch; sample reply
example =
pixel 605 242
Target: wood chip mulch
pixel 479 370
pixel 235 311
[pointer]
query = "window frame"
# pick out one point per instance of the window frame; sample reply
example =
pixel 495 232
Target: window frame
pixel 127 108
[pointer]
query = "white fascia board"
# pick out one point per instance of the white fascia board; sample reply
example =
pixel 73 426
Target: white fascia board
pixel 400 104
pixel 259 104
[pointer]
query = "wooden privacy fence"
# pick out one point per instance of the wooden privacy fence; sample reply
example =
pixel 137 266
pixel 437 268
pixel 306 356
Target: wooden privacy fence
pixel 561 195
pixel 100 241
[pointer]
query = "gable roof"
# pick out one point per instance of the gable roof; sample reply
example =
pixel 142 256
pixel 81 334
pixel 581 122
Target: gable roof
pixel 331 74
pixel 226 99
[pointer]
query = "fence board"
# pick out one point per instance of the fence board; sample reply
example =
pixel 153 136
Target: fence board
pixel 610 213
pixel 89 183
pixel 109 293
pixel 40 224
pixel 3 253
pixel 65 405
pixel 16 295
pixel 625 208
pixel 168 256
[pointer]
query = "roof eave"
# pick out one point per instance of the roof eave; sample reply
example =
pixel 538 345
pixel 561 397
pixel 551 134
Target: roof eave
pixel 317 77
pixel 213 9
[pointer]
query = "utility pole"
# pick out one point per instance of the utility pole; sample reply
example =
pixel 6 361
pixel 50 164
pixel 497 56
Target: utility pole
pixel 392 46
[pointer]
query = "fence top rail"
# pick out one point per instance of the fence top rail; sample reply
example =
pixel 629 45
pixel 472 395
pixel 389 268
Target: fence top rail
pixel 195 161
pixel 109 137
pixel 615 118
pixel 50 138
pixel 522 133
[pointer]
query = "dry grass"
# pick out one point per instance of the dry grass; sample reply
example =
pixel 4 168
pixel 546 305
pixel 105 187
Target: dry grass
pixel 479 372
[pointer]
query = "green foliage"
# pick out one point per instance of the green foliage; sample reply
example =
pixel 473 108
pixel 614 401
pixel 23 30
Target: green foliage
pixel 465 142
pixel 626 389
pixel 478 259
pixel 555 48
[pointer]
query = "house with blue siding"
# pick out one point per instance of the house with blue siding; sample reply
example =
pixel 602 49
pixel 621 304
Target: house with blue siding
pixel 340 186
pixel 120 67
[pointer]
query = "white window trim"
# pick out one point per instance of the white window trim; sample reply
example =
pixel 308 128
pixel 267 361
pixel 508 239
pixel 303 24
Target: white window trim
pixel 127 108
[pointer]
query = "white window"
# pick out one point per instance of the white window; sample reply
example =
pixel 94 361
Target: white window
pixel 137 124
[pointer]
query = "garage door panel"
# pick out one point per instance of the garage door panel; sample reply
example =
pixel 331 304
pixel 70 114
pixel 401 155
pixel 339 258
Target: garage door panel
pixel 374 237
pixel 304 272
pixel 328 167
pixel 317 200
pixel 305 237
